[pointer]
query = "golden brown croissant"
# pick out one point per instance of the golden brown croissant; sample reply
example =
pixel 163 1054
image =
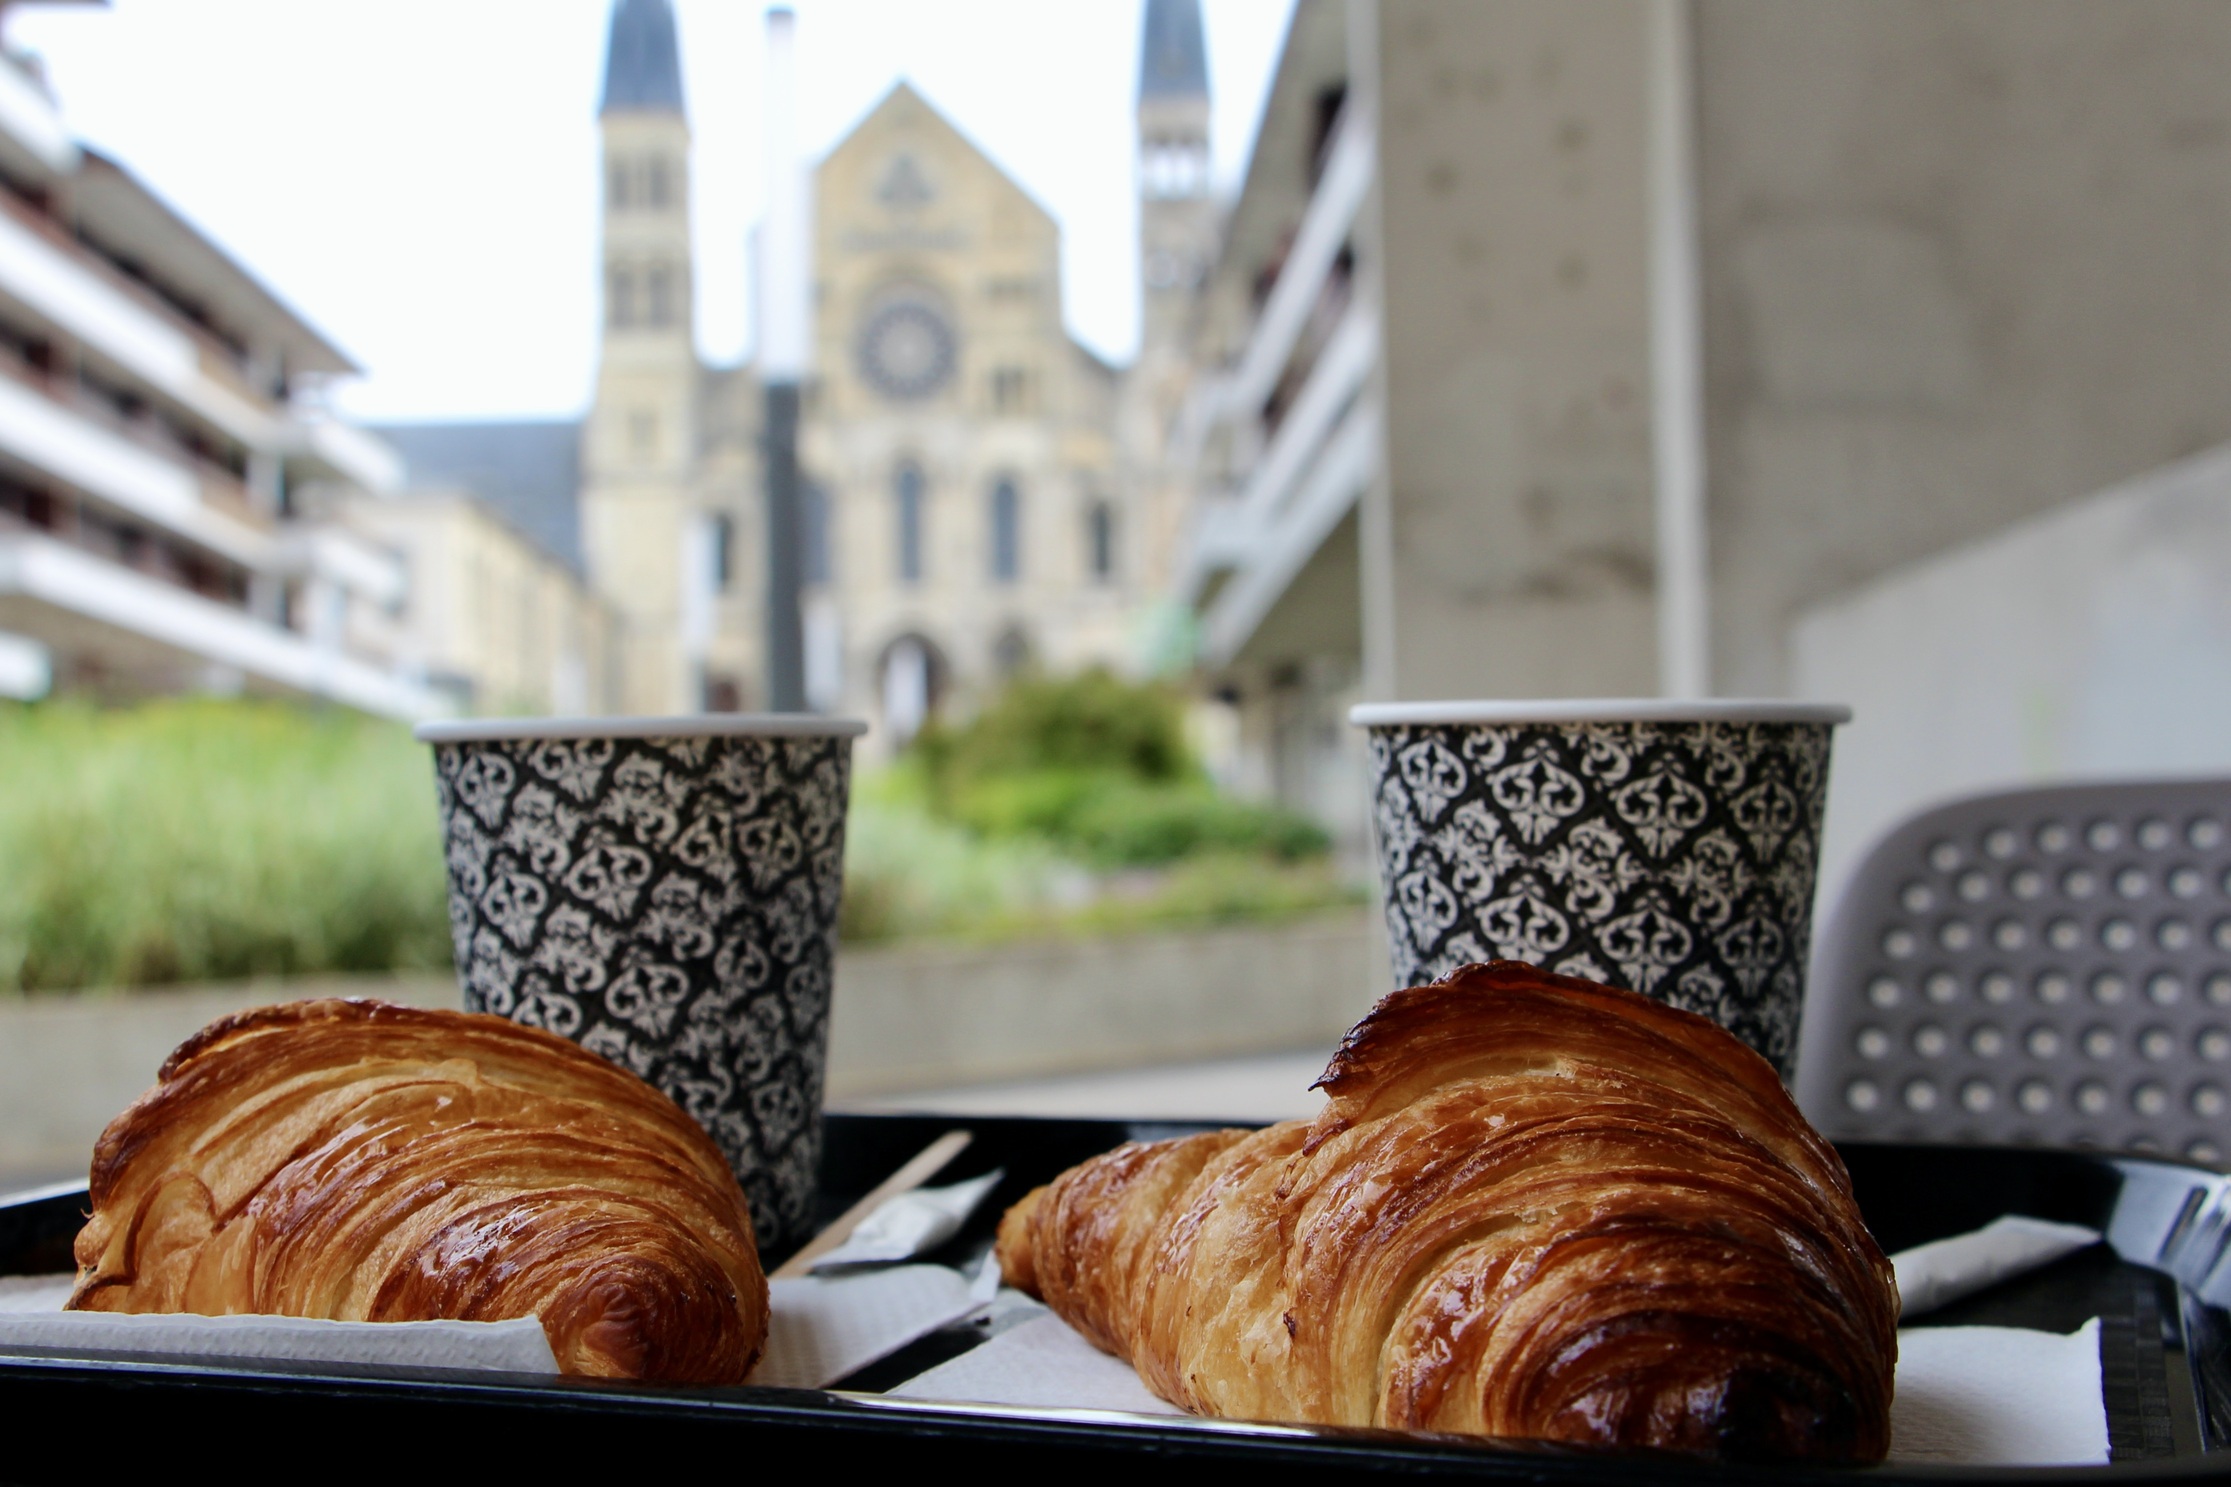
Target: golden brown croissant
pixel 360 1161
pixel 1533 1206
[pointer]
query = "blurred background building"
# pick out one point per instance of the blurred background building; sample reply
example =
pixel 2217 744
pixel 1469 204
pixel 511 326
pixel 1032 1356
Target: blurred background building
pixel 174 503
pixel 1855 349
pixel 970 510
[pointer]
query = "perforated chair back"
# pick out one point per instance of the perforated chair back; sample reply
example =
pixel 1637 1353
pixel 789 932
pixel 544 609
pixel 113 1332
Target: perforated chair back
pixel 2041 967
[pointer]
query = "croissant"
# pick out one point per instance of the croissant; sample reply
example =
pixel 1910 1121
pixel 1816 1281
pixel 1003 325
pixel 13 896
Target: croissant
pixel 1533 1206
pixel 361 1161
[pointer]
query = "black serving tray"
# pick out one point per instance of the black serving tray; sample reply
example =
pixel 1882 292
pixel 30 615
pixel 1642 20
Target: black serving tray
pixel 2159 1288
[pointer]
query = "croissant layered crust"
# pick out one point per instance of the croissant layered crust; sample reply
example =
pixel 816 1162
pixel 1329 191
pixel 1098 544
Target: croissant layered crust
pixel 1532 1207
pixel 360 1161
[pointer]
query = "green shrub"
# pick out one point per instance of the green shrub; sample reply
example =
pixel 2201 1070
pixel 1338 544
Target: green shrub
pixel 205 839
pixel 1135 826
pixel 908 872
pixel 1093 722
pixel 1098 767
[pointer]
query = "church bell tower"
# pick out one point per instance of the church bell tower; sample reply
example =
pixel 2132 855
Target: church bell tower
pixel 1177 222
pixel 1177 243
pixel 640 442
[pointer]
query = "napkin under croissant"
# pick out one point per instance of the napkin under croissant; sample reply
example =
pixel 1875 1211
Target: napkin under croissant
pixel 366 1162
pixel 1533 1206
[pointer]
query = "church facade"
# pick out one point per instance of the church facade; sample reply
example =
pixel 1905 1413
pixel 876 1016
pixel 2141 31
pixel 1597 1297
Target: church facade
pixel 984 495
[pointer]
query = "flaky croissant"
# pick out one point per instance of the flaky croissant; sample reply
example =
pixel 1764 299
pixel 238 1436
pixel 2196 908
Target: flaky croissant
pixel 361 1161
pixel 1533 1206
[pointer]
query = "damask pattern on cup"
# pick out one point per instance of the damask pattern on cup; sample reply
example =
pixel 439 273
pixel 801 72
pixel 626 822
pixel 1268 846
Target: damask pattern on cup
pixel 672 905
pixel 1675 859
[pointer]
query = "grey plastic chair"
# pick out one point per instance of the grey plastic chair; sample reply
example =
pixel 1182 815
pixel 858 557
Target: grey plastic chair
pixel 2042 967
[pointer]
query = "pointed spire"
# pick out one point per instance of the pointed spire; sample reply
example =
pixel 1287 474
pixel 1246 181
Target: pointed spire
pixel 642 61
pixel 1173 61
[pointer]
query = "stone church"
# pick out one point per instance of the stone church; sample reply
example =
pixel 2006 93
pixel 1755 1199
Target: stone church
pixel 983 494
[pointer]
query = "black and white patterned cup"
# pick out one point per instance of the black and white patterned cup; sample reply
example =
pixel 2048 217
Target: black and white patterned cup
pixel 1666 847
pixel 664 892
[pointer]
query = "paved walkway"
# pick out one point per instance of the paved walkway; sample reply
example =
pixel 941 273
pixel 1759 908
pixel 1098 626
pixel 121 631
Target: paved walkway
pixel 1271 1087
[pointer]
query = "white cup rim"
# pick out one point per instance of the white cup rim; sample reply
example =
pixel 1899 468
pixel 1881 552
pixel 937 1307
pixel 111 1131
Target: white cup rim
pixel 1584 710
pixel 700 725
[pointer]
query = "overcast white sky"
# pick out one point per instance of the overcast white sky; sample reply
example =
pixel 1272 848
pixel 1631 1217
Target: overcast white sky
pixel 419 177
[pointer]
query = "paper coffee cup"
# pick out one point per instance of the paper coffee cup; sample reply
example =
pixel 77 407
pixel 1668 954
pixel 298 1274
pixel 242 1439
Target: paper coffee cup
pixel 1666 847
pixel 664 892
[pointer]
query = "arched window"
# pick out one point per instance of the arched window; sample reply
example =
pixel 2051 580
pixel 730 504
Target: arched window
pixel 619 297
pixel 907 488
pixel 661 296
pixel 814 536
pixel 616 180
pixel 656 182
pixel 1100 541
pixel 1007 544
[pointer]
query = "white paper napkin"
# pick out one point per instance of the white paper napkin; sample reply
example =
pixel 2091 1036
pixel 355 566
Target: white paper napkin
pixel 822 1328
pixel 1999 1396
pixel 826 1326
pixel 35 1292
pixel 1935 1274
pixel 1043 1362
pixel 1977 1396
pixel 910 1224
pixel 517 1346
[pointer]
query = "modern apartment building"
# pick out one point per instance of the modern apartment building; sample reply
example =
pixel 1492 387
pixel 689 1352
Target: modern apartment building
pixel 1619 347
pixel 173 500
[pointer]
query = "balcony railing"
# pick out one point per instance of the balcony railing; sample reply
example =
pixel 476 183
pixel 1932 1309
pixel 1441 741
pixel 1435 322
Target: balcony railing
pixel 1303 439
pixel 69 283
pixel 221 487
pixel 220 357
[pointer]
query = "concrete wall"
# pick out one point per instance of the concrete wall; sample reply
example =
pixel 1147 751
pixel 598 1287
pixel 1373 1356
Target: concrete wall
pixel 926 1015
pixel 904 1018
pixel 1964 261
pixel 1513 229
pixel 2094 642
pixel 69 1064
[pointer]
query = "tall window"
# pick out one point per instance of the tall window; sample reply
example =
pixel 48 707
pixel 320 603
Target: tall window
pixel 619 297
pixel 724 554
pixel 661 285
pixel 658 183
pixel 1007 547
pixel 617 179
pixel 908 491
pixel 1100 541
pixel 1010 389
pixel 814 536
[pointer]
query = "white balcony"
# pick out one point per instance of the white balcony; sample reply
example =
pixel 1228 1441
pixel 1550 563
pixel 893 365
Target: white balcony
pixel 1292 480
pixel 33 139
pixel 73 298
pixel 1245 550
pixel 65 446
pixel 338 556
pixel 348 452
pixel 1276 545
pixel 80 605
pixel 1350 163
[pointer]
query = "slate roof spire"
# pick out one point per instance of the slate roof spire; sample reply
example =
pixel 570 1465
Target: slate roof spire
pixel 1173 61
pixel 642 60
